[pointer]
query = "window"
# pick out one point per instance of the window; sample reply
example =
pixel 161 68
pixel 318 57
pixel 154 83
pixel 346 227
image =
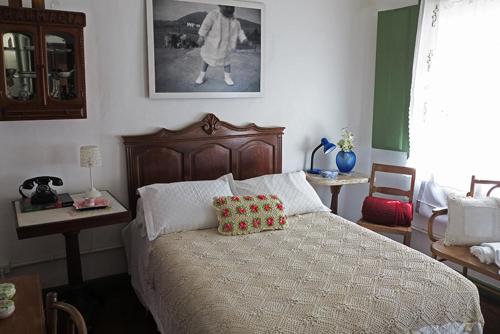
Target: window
pixel 455 108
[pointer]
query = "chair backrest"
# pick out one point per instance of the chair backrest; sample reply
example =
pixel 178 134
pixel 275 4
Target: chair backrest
pixel 389 190
pixel 53 306
pixel 490 183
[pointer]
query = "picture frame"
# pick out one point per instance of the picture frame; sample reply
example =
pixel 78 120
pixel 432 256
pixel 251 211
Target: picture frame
pixel 176 60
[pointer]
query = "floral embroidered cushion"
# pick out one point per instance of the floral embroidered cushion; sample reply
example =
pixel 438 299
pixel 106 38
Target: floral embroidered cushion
pixel 249 214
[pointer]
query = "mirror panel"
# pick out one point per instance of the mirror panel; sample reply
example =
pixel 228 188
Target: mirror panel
pixel 61 69
pixel 19 64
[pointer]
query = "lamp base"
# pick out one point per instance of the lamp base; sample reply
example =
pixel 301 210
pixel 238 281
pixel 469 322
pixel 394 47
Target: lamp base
pixel 314 171
pixel 92 193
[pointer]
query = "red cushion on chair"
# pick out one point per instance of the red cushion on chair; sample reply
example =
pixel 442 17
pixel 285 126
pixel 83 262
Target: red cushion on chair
pixel 387 211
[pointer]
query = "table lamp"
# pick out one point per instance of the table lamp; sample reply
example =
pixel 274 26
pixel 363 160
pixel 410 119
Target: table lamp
pixel 327 148
pixel 90 156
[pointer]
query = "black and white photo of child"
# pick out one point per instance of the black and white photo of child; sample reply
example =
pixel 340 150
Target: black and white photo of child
pixel 203 47
pixel 219 33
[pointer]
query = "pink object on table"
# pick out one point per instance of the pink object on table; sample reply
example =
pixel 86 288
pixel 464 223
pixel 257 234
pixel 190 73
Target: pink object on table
pixel 91 203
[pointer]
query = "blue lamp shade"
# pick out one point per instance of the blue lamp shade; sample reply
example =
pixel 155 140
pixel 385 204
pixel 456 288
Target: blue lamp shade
pixel 327 148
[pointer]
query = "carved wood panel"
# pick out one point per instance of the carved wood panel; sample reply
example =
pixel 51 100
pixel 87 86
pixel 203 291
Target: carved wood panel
pixel 210 162
pixel 160 165
pixel 255 158
pixel 202 151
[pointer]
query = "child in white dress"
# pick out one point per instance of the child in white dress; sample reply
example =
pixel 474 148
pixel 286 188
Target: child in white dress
pixel 218 34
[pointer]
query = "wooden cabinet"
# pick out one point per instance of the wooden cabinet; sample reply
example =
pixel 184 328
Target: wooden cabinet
pixel 42 64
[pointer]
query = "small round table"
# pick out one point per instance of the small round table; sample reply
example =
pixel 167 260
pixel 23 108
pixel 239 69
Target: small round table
pixel 336 184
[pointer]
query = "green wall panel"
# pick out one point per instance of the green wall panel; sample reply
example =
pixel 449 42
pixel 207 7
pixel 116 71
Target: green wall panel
pixel 396 35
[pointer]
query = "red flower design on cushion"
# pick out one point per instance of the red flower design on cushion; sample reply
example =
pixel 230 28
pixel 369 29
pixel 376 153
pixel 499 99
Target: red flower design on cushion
pixel 267 207
pixel 226 212
pixel 228 227
pixel 248 198
pixel 235 198
pixel 243 225
pixel 221 201
pixel 256 223
pixel 282 220
pixel 254 208
pixel 241 210
pixel 274 197
pixel 270 221
pixel 261 197
pixel 280 206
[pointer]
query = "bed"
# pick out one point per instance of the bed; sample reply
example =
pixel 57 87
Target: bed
pixel 323 274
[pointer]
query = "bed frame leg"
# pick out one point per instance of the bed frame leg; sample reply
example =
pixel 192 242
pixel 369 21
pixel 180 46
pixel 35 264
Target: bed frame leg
pixel 407 239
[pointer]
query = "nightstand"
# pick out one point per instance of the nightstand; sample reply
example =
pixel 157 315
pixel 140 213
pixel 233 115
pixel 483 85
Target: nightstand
pixel 69 222
pixel 336 184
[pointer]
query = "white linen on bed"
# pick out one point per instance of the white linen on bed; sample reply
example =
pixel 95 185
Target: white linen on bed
pixel 181 206
pixel 292 188
pixel 323 274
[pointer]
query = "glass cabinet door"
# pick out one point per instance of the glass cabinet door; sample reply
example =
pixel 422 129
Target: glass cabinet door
pixel 61 66
pixel 20 66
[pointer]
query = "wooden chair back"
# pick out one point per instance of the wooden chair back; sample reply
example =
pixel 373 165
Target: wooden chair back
pixel 389 190
pixel 52 308
pixel 490 183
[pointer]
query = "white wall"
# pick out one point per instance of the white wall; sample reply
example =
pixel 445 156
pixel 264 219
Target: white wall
pixel 320 73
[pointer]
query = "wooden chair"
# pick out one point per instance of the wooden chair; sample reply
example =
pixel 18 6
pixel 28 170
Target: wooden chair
pixel 461 254
pixel 53 306
pixel 408 194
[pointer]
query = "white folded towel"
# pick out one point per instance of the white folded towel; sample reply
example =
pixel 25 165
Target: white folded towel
pixel 487 252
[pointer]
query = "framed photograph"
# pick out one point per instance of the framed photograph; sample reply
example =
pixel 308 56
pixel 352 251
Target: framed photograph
pixel 205 48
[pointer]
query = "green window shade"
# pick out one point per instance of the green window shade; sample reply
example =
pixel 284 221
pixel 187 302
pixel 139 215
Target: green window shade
pixel 396 35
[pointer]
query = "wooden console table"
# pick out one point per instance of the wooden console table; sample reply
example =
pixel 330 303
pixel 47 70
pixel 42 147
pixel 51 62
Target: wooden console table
pixel 69 222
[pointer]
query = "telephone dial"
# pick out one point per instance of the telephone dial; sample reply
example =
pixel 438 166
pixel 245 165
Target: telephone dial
pixel 43 193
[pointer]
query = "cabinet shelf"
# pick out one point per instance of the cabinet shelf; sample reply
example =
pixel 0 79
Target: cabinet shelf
pixel 25 75
pixel 25 48
pixel 59 50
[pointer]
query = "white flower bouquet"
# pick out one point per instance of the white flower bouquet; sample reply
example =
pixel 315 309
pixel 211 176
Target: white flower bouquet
pixel 346 144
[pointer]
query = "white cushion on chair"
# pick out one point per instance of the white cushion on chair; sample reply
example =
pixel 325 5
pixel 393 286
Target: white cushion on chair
pixel 472 221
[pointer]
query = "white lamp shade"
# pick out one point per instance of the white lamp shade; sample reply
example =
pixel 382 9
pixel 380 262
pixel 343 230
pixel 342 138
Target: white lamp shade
pixel 90 156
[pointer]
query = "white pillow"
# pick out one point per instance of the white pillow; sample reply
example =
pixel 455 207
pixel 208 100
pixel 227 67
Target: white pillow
pixel 297 194
pixel 181 206
pixel 472 221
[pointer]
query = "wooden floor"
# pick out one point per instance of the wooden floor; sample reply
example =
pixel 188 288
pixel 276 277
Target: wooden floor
pixel 114 308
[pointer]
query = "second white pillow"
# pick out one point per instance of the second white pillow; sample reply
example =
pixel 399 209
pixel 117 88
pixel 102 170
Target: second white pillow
pixel 297 194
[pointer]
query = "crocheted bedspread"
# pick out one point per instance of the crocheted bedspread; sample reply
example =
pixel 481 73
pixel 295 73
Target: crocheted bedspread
pixel 323 274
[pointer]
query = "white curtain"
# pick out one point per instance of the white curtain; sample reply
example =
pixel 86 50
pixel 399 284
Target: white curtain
pixel 455 107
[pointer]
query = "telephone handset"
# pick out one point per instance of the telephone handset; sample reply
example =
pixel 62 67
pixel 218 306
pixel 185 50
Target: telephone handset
pixel 43 193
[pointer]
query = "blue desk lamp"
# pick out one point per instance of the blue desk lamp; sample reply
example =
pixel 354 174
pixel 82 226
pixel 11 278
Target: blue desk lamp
pixel 327 148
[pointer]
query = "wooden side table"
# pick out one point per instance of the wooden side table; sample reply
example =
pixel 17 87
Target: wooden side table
pixel 28 316
pixel 69 222
pixel 336 184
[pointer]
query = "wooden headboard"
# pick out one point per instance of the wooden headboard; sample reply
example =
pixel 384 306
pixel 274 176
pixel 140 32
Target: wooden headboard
pixel 204 150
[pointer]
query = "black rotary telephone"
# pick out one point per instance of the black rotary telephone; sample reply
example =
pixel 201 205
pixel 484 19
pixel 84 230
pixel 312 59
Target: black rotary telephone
pixel 43 193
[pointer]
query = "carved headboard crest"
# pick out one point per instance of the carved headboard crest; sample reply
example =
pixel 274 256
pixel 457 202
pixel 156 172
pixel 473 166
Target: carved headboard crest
pixel 204 150
pixel 210 124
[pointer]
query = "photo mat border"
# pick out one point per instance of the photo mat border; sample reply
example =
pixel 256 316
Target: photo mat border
pixel 193 95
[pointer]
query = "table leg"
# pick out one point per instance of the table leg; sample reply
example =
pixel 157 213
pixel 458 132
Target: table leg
pixel 334 205
pixel 73 261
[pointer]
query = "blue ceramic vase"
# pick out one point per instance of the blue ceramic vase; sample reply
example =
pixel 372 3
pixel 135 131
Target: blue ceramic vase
pixel 346 161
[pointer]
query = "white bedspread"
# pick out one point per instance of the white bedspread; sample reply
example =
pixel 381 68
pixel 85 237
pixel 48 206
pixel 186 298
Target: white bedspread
pixel 322 275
